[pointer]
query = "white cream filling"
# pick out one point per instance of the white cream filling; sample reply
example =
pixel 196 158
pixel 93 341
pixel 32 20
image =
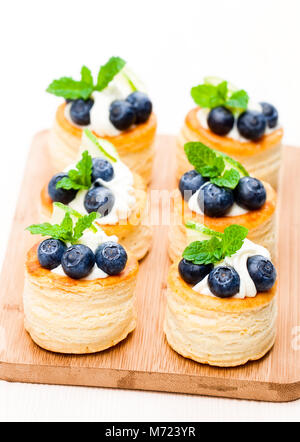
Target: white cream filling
pixel 235 210
pixel 121 186
pixel 202 115
pixel 118 89
pixel 239 262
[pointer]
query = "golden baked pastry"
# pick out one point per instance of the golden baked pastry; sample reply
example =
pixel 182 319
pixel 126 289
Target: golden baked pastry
pixel 134 233
pixel 135 145
pixel 64 315
pixel 219 332
pixel 261 158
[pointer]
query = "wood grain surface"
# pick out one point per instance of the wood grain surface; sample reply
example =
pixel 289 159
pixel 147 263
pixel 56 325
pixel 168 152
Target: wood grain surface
pixel 144 361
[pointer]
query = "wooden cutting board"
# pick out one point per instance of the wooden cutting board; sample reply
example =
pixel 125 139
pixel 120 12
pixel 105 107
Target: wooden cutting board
pixel 144 361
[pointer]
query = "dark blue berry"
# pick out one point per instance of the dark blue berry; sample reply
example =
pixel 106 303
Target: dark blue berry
pixel 262 272
pixel 111 257
pixel 215 201
pixel 224 282
pixel 60 195
pixel 191 182
pixel 122 114
pixel 220 120
pixel 78 261
pixel 50 253
pixel 80 111
pixel 102 169
pixel 141 105
pixel 193 273
pixel 271 114
pixel 250 193
pixel 252 125
pixel 99 199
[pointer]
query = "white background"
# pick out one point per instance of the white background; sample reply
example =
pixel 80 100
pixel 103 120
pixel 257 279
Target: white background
pixel 171 45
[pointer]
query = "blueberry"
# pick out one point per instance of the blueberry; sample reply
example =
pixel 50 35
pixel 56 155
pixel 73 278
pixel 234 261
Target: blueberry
pixel 111 257
pixel 102 169
pixel 190 182
pixel 252 125
pixel 78 261
pixel 99 199
pixel 262 272
pixel 271 114
pixel 50 253
pixel 80 111
pixel 193 273
pixel 215 201
pixel 220 120
pixel 224 282
pixel 60 195
pixel 250 193
pixel 121 114
pixel 141 105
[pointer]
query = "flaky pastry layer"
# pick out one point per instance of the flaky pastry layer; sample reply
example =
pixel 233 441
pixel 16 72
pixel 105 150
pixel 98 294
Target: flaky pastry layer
pixel 219 332
pixel 64 315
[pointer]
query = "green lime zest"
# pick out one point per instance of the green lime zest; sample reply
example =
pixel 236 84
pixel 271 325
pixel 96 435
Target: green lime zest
pixel 94 140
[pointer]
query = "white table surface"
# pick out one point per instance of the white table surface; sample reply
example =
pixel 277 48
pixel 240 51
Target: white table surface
pixel 171 45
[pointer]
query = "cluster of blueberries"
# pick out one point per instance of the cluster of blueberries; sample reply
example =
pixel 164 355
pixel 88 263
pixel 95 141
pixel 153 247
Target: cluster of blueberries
pixel 98 199
pixel 136 109
pixel 224 281
pixel 215 201
pixel 79 260
pixel 251 124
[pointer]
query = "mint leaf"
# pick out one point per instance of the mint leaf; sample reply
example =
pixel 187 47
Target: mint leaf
pixel 210 95
pixel 83 223
pixel 95 140
pixel 230 179
pixel 65 231
pixel 71 89
pixel 233 239
pixel 218 247
pixel 204 252
pixel 203 95
pixel 86 76
pixel 108 71
pixel 204 159
pixel 75 214
pixel 79 178
pixel 238 101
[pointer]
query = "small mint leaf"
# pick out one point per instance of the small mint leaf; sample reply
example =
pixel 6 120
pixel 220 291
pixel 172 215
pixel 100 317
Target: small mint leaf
pixel 71 89
pixel 204 159
pixel 79 178
pixel 233 239
pixel 204 252
pixel 108 71
pixel 229 179
pixel 86 76
pixel 238 101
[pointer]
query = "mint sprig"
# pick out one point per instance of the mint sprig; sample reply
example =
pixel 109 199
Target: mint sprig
pixel 211 164
pixel 66 231
pixel 210 96
pixel 108 71
pixel 79 178
pixel 71 89
pixel 75 214
pixel 217 247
